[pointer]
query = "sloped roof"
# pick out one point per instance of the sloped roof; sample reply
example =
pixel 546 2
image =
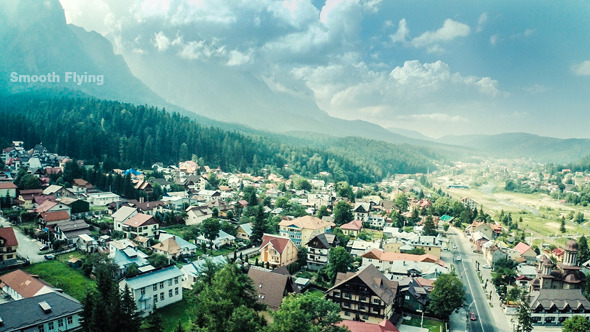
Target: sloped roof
pixel 546 298
pixel 307 222
pixel 151 278
pixel 7 185
pixel 123 213
pixel 393 256
pixel 247 228
pixel 270 286
pixel 45 206
pixel 522 247
pixel 139 220
pixel 7 233
pixel 354 225
pixel 279 243
pixel 169 245
pixel 55 216
pixel 23 283
pixel 355 326
pixel 13 319
pixel 384 288
pixel 182 243
pixel 326 239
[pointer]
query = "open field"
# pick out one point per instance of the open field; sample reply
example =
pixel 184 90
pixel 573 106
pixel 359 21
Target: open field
pixel 431 324
pixel 541 214
pixel 173 313
pixel 58 274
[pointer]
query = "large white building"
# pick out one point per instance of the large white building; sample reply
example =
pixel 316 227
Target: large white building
pixel 157 288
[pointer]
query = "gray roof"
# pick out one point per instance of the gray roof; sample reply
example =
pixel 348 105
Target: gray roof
pixel 12 312
pixel 198 266
pixel 247 227
pixel 559 298
pixel 384 288
pixel 151 278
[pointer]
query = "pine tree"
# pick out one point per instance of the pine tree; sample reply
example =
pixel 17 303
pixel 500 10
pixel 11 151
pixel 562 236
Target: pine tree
pixel 259 226
pixel 129 315
pixel 429 228
pixel 562 227
pixel 154 322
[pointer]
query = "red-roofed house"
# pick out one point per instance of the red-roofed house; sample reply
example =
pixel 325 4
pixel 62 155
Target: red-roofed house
pixel 8 245
pixel 8 188
pixel 352 228
pixel 52 206
pixel 140 225
pixel 56 216
pixel 355 326
pixel 21 285
pixel 525 252
pixel 277 250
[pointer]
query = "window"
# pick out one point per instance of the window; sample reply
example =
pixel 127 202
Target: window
pixel 161 284
pixel 176 281
pixel 176 291
pixel 60 323
pixel 346 313
pixel 365 317
pixel 41 328
pixel 70 320
pixel 364 298
pixel 155 287
pixel 346 295
pixel 170 293
pixel 142 290
pixel 170 282
pixel 50 326
pixel 162 296
pixel 155 300
pixel 407 297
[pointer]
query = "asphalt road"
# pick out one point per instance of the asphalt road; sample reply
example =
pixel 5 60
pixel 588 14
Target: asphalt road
pixel 27 247
pixel 476 300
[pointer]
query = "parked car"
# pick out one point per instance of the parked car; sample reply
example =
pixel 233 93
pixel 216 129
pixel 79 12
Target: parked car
pixel 44 248
pixel 473 316
pixel 458 258
pixel 49 257
pixel 486 266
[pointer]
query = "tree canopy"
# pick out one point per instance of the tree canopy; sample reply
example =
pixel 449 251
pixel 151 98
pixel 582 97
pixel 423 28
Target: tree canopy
pixel 448 295
pixel 307 312
pixel 576 324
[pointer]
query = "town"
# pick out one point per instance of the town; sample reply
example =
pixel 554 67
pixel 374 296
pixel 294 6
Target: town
pixel 188 246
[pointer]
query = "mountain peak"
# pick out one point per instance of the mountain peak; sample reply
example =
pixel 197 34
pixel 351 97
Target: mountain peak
pixel 48 13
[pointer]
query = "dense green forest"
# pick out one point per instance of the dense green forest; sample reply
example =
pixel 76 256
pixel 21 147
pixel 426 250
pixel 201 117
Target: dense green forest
pixel 125 135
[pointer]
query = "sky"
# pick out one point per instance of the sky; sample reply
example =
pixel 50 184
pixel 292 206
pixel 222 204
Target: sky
pixel 438 67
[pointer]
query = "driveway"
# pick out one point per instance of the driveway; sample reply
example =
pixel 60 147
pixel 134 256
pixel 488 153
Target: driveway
pixel 27 247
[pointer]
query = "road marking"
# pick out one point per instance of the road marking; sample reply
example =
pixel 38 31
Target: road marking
pixel 471 289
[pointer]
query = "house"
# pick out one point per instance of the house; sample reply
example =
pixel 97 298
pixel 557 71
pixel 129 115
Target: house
pixel 122 215
pixel 70 230
pixel 140 225
pixel 8 245
pixel 493 253
pixel 197 214
pixel 358 247
pixel 76 205
pixel 244 231
pixel 124 258
pixel 361 211
pixel 318 249
pixel 526 252
pixel 354 326
pixel 553 306
pixel 366 295
pixel 376 221
pixel 155 288
pixel 482 227
pixel 8 189
pixel 399 265
pixel 469 203
pixel 301 230
pixel 415 295
pixel 86 243
pixel 27 197
pixel 174 246
pixel 21 285
pixel 194 270
pixel 222 239
pixel 47 312
pixel 102 198
pixel 272 286
pixel 277 250
pixel 352 228
pixel 54 217
pixel 52 206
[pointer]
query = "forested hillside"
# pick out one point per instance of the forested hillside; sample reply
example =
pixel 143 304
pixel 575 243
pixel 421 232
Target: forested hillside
pixel 126 135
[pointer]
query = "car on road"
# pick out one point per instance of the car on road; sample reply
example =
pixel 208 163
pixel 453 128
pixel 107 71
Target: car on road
pixel 486 266
pixel 455 246
pixel 44 248
pixel 458 258
pixel 473 316
pixel 49 257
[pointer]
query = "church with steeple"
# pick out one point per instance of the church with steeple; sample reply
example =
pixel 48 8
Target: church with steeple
pixel 564 275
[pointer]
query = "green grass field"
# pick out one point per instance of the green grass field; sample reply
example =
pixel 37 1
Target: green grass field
pixel 172 314
pixel 430 324
pixel 58 274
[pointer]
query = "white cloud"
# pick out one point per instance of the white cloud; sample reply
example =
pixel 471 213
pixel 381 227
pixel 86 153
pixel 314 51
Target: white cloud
pixel 201 50
pixel 402 32
pixel 488 86
pixel 237 58
pixel 161 42
pixel 494 40
pixel 483 18
pixel 528 32
pixel 535 89
pixel 449 31
pixel 581 69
